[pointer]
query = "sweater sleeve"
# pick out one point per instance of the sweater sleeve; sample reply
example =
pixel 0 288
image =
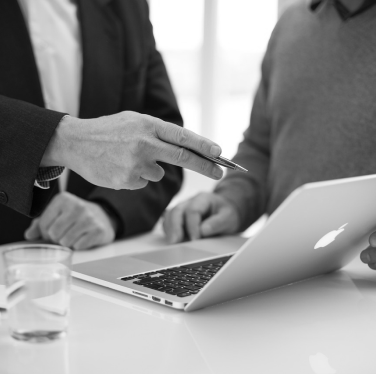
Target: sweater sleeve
pixel 25 131
pixel 248 191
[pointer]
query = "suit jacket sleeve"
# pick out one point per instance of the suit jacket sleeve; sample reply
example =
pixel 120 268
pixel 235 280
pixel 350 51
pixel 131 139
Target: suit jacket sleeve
pixel 248 191
pixel 139 210
pixel 25 131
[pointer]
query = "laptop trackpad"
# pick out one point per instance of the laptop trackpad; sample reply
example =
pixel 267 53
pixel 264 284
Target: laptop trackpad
pixel 174 256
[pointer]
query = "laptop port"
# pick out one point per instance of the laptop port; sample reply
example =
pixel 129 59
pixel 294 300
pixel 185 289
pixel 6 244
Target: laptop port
pixel 168 302
pixel 156 298
pixel 139 293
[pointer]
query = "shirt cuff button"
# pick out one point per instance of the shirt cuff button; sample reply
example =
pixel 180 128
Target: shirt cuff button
pixel 3 197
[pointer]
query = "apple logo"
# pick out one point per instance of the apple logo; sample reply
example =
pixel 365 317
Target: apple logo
pixel 320 365
pixel 329 237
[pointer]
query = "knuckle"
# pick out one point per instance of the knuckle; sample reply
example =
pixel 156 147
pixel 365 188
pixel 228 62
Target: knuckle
pixel 52 234
pixel 140 145
pixel 149 124
pixel 64 242
pixel 181 155
pixel 206 166
pixel 80 245
pixel 79 208
pixel 202 146
pixel 98 231
pixel 181 136
pixel 43 227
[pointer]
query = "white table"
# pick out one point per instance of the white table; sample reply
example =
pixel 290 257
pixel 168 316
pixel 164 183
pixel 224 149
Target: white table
pixel 325 325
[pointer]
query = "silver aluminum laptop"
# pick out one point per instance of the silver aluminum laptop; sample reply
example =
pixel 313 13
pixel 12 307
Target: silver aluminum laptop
pixel 318 229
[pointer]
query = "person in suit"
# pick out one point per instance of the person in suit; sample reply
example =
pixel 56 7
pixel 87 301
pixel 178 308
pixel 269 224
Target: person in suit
pixel 96 61
pixel 313 119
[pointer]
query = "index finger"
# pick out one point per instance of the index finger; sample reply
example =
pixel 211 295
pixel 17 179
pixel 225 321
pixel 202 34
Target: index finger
pixel 174 134
pixel 50 214
pixel 179 156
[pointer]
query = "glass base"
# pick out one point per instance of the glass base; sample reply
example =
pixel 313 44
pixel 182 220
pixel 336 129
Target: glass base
pixel 38 336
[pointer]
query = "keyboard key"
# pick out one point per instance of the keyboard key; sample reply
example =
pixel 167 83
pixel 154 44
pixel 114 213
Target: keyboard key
pixel 145 280
pixel 195 276
pixel 169 283
pixel 190 272
pixel 185 283
pixel 184 294
pixel 193 288
pixel 171 292
pixel 165 289
pixel 194 292
pixel 175 291
pixel 148 285
pixel 182 278
pixel 205 277
pixel 156 287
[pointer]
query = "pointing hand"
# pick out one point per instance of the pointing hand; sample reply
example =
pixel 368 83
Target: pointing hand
pixel 123 151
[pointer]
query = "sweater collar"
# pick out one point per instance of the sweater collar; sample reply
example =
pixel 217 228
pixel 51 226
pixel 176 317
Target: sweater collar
pixel 341 8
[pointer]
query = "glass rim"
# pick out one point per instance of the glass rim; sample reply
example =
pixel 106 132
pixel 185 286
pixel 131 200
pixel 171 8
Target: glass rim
pixel 41 246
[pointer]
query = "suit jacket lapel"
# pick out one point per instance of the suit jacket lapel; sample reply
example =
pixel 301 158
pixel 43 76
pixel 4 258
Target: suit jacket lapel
pixel 102 45
pixel 19 78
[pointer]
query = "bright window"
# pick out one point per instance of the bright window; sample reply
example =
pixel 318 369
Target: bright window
pixel 236 40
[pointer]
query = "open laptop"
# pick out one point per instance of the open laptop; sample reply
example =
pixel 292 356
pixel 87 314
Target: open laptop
pixel 318 229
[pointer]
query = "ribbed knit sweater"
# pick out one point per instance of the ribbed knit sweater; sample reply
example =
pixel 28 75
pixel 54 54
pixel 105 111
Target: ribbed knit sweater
pixel 314 113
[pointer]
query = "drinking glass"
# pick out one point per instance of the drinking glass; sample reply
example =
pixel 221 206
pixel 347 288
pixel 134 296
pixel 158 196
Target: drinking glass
pixel 39 278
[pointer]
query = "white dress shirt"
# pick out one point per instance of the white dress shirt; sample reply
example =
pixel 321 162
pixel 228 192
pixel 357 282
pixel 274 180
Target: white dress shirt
pixel 55 36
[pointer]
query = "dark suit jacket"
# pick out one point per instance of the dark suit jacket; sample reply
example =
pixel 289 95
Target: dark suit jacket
pixel 122 70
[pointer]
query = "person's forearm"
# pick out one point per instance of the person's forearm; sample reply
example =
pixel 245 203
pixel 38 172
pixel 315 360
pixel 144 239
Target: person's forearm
pixel 55 154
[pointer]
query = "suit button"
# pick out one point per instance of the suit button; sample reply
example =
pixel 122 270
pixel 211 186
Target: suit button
pixel 3 197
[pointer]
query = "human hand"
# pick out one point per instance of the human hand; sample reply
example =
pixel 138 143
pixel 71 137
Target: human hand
pixel 205 214
pixel 121 151
pixel 368 256
pixel 72 222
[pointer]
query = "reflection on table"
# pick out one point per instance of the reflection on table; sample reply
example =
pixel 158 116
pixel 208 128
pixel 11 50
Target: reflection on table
pixel 324 325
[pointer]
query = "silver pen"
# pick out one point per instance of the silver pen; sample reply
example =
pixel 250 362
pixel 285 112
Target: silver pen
pixel 222 161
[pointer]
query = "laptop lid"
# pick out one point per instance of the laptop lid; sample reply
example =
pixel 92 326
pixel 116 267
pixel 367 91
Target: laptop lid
pixel 319 228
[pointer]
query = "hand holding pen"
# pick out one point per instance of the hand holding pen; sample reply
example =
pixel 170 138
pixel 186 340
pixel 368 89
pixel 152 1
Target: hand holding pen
pixel 222 161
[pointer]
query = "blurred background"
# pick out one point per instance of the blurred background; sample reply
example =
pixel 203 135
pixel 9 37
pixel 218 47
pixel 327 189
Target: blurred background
pixel 213 51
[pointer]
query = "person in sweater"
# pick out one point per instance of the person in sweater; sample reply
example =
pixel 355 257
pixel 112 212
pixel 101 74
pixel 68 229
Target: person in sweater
pixel 313 119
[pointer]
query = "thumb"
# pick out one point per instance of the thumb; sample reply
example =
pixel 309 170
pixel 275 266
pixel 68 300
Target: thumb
pixel 33 232
pixel 216 224
pixel 372 239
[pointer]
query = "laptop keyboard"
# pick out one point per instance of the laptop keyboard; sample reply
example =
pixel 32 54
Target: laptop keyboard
pixel 181 281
